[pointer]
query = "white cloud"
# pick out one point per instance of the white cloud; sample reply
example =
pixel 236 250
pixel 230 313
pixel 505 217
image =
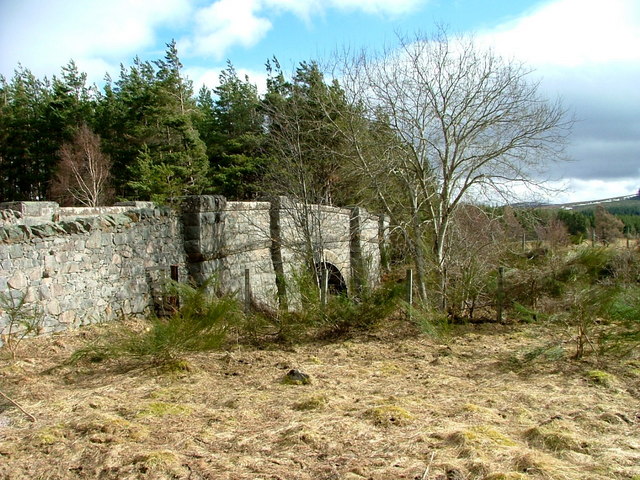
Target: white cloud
pixel 572 33
pixel 43 36
pixel 226 23
pixel 303 8
pixel 580 190
pixel 382 7
pixel 586 52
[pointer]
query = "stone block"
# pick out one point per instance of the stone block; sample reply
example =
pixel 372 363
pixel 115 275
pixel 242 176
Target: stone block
pixel 204 203
pixel 53 307
pixel 18 281
pixel 94 241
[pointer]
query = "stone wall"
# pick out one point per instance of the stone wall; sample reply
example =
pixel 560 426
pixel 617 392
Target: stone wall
pixel 83 270
pixel 80 265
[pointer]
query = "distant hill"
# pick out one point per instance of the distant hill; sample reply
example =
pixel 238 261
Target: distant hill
pixel 624 201
pixel 626 208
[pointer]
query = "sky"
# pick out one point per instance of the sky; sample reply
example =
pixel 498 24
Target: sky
pixel 585 52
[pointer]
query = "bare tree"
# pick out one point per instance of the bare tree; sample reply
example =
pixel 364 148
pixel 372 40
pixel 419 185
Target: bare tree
pixel 83 173
pixel 459 123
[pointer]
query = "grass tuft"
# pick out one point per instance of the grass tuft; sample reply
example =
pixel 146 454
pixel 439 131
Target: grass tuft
pixel 388 415
pixel 555 436
pixel 600 378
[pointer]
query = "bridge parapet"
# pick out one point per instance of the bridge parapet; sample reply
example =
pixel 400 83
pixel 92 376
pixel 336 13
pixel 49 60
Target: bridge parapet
pixel 77 266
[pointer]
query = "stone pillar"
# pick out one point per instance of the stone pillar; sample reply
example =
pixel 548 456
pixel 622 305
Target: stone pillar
pixel 203 218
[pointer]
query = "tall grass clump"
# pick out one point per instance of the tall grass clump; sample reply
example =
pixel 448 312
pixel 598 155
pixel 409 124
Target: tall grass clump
pixel 202 322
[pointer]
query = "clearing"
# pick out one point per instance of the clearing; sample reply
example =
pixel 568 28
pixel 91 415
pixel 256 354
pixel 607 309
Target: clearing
pixel 487 403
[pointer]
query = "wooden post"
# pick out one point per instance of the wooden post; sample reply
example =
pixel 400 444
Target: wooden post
pixel 500 294
pixel 247 291
pixel 409 286
pixel 593 237
pixel 324 285
pixel 524 241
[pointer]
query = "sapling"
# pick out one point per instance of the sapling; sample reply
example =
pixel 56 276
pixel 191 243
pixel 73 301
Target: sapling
pixel 22 319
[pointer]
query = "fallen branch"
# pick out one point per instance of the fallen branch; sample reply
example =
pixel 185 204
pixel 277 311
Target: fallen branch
pixel 425 475
pixel 29 416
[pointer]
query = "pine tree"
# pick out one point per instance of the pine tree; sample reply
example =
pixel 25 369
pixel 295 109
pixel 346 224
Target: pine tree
pixel 26 155
pixel 301 116
pixel 147 121
pixel 233 124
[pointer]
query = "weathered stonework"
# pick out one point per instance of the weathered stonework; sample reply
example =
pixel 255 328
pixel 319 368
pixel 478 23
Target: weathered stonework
pixel 80 265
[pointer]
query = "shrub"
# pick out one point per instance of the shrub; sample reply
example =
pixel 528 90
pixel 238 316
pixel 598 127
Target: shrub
pixel 338 316
pixel 202 323
pixel 343 314
pixel 622 335
pixel 22 320
pixel 432 323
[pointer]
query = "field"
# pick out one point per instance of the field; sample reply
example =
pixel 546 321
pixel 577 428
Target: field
pixel 479 404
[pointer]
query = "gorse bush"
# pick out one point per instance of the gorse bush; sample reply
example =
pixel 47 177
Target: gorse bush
pixel 622 334
pixel 593 292
pixel 310 318
pixel 343 314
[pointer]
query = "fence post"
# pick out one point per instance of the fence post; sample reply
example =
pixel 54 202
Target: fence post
pixel 247 291
pixel 500 294
pixel 324 285
pixel 409 286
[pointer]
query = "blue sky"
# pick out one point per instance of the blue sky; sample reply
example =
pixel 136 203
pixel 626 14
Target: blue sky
pixel 587 52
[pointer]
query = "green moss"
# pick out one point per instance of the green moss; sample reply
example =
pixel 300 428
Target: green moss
pixel 505 476
pixel 388 415
pixel 554 436
pixel 598 377
pixel 481 435
pixel 161 409
pixel 115 426
pixel 158 460
pixel 51 434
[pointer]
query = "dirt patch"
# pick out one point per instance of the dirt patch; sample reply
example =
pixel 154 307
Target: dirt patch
pixel 377 407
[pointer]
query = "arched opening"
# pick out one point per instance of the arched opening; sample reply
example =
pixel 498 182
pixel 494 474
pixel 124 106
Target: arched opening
pixel 336 284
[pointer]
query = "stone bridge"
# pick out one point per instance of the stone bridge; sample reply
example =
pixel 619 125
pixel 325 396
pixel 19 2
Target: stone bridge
pixel 76 266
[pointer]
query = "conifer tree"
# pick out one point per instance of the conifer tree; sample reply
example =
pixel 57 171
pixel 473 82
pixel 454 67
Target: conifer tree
pixel 157 152
pixel 235 135
pixel 26 154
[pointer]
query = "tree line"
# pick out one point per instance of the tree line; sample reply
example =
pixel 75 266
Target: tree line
pixel 424 132
pixel 154 137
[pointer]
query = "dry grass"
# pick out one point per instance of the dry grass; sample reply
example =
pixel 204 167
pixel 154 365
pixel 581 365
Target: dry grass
pixel 392 406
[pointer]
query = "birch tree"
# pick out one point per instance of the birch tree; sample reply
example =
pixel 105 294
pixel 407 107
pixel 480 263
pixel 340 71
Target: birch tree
pixel 461 123
pixel 83 175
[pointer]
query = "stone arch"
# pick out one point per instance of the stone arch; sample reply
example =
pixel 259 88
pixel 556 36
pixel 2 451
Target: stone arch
pixel 336 281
